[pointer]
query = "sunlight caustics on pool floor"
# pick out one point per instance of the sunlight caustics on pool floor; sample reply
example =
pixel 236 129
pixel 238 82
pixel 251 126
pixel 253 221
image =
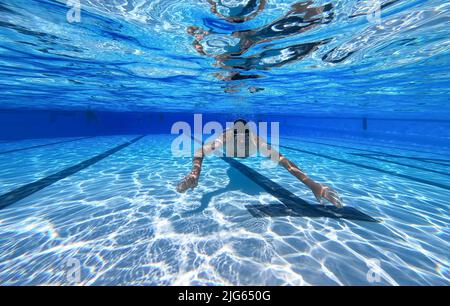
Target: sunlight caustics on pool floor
pixel 110 202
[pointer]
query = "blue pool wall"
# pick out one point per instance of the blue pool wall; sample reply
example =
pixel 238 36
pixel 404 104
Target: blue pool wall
pixel 27 124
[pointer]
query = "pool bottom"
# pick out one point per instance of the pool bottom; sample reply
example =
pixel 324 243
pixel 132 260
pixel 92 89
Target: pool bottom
pixel 122 221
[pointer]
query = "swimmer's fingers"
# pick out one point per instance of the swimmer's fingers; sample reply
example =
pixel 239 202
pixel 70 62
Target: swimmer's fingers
pixel 181 186
pixel 189 181
pixel 332 196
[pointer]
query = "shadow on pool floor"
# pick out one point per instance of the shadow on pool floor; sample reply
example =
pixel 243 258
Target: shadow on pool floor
pixel 291 205
pixel 314 211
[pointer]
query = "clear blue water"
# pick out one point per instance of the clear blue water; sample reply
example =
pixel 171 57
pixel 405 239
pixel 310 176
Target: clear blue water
pixel 363 105
pixel 124 220
pixel 137 55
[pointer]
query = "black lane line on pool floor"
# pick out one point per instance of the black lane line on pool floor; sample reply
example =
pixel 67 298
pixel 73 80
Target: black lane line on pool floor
pixel 20 193
pixel 376 157
pixel 437 161
pixel 415 179
pixel 44 145
pixel 400 164
pixel 293 205
pixel 375 145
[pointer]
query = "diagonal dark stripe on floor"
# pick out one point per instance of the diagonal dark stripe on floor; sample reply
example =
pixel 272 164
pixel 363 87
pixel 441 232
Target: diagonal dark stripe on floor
pixel 295 205
pixel 437 161
pixel 44 145
pixel 20 193
pixel 401 164
pixel 373 145
pixel 415 179
pixel 444 162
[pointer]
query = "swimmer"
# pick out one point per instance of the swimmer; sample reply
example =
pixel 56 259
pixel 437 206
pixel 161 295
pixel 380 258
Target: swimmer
pixel 247 144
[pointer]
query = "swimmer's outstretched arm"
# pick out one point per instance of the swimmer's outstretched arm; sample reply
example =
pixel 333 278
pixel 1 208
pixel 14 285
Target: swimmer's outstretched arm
pixel 320 191
pixel 191 180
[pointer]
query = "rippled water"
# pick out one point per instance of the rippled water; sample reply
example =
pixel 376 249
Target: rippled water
pixel 218 55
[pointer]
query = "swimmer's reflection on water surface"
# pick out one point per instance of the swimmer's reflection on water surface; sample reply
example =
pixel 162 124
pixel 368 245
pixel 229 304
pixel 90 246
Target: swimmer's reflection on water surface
pixel 228 49
pixel 237 11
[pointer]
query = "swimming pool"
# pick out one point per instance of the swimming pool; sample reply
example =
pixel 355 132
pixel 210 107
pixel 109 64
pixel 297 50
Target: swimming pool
pixel 90 93
pixel 124 220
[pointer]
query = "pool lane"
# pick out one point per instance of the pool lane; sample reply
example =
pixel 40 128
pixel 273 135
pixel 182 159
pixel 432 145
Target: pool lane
pixel 24 167
pixel 26 143
pixel 404 152
pixel 376 157
pixel 426 162
pixel 22 192
pixel 105 216
pixel 424 159
pixel 402 171
pixel 364 145
pixel 43 145
pixel 348 162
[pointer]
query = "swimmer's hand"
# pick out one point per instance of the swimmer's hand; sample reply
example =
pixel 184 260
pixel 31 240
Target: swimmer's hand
pixel 326 193
pixel 190 181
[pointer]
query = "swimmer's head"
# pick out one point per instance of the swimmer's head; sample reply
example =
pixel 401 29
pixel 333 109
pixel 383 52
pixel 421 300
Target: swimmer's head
pixel 195 31
pixel 192 30
pixel 237 10
pixel 240 126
